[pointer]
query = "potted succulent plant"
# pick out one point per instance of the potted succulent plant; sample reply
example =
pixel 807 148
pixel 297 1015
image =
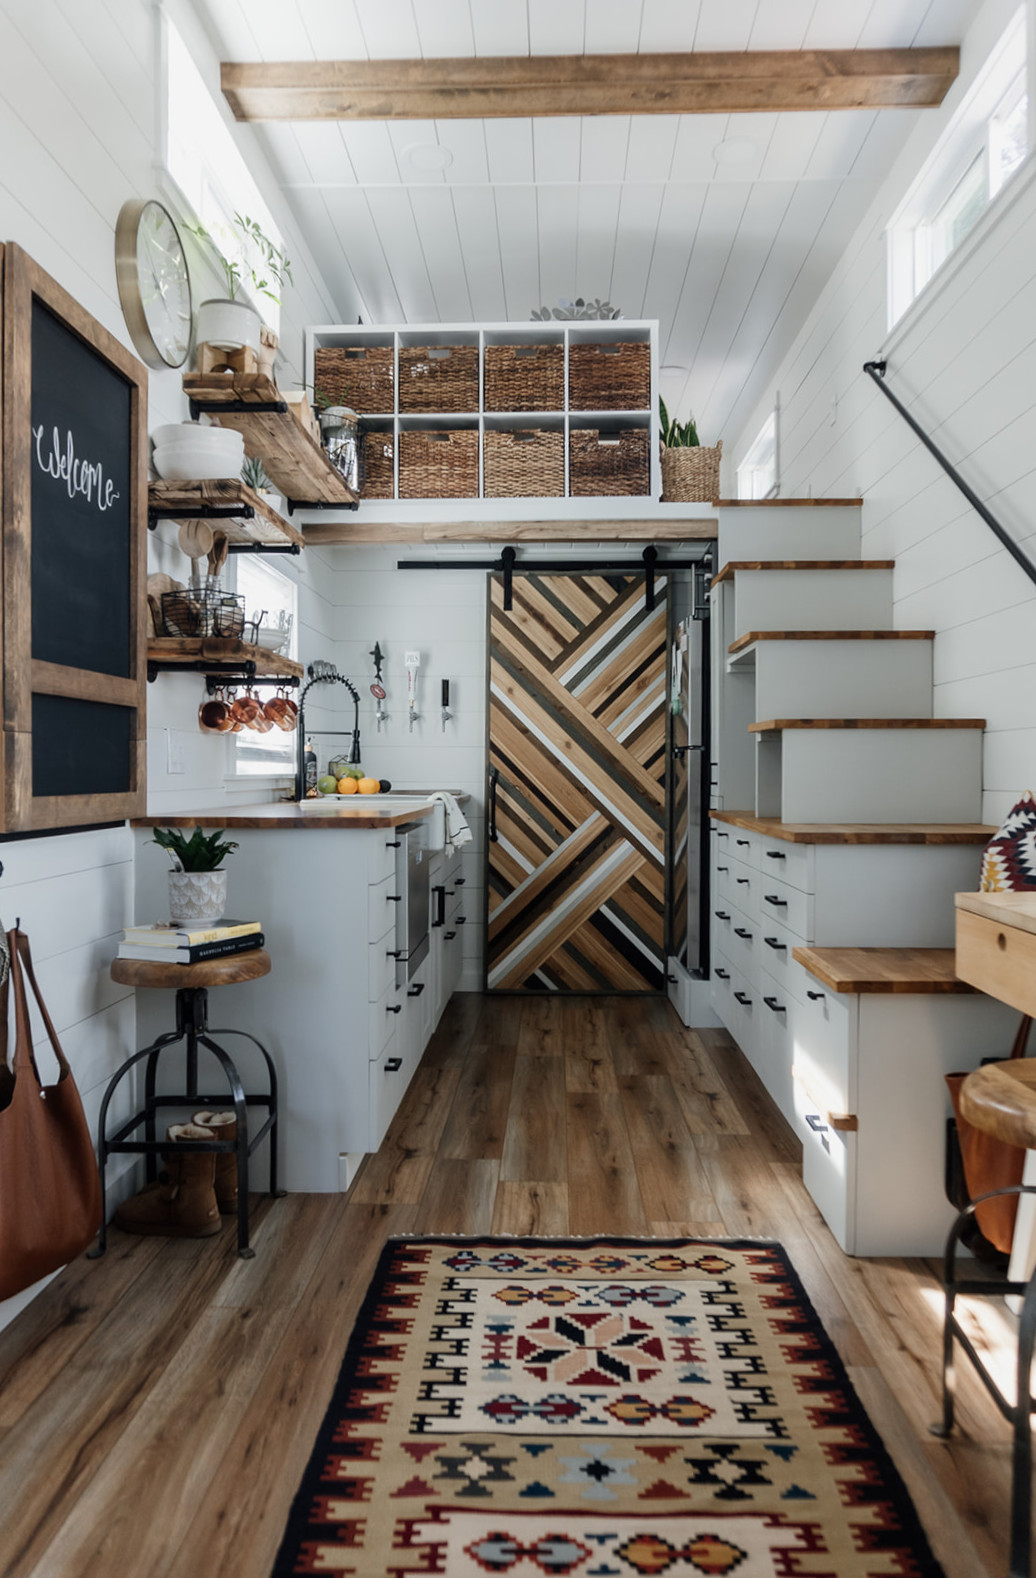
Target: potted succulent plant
pixel 197 887
pixel 690 470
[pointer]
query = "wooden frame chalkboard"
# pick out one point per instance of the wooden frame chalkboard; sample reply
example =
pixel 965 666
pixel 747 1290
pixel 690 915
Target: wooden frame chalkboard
pixel 73 481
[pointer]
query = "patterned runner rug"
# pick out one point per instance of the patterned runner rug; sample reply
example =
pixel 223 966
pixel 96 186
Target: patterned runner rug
pixel 599 1407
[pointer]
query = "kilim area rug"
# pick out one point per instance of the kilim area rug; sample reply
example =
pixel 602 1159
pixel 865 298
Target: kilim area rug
pixel 599 1407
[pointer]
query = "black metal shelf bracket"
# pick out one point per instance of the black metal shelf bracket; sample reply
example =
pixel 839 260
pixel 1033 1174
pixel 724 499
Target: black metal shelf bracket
pixel 319 504
pixel 264 547
pixel 236 407
pixel 216 681
pixel 876 371
pixel 197 512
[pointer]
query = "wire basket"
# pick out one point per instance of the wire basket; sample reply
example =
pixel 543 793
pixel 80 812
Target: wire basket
pixel 360 376
pixel 194 612
pixel 690 475
pixel 524 377
pixel 527 463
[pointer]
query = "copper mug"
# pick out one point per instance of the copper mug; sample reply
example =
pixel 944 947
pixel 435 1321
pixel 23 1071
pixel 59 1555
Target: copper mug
pixel 214 715
pixel 246 709
pixel 279 711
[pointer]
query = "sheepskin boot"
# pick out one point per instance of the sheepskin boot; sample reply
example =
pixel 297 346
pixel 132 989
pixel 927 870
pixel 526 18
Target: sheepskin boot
pixel 184 1206
pixel 222 1126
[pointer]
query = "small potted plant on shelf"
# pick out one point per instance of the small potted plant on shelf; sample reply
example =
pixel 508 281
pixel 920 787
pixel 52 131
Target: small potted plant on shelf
pixel 690 469
pixel 232 323
pixel 253 475
pixel 197 887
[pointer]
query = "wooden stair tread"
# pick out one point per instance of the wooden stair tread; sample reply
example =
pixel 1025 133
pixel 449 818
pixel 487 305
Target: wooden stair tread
pixel 857 832
pixel 786 504
pixel 883 970
pixel 752 636
pixel 774 725
pixel 733 565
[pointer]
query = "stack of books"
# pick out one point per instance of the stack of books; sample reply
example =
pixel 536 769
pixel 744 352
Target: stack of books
pixel 187 945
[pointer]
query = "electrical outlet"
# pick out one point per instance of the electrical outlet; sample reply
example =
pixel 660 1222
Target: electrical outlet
pixel 174 759
pixel 412 660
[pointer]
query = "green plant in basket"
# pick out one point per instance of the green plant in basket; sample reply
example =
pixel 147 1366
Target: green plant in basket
pixel 200 852
pixel 676 435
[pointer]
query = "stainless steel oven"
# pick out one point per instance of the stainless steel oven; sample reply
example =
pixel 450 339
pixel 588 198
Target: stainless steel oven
pixel 412 909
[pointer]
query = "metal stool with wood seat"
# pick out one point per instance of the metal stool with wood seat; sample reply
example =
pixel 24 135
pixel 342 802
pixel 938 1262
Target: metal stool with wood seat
pixel 191 983
pixel 999 1099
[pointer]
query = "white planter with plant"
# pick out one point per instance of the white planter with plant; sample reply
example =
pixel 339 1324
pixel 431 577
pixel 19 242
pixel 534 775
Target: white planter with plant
pixel 197 887
pixel 231 323
pixel 690 469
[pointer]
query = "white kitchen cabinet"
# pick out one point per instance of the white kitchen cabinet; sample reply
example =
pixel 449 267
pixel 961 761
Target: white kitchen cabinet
pixel 344 1039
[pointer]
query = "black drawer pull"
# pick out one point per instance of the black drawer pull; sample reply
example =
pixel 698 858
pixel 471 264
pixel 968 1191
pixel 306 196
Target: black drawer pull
pixel 393 1065
pixel 743 843
pixel 396 1008
pixel 724 975
pixel 774 1005
pixel 722 835
pixel 416 990
pixel 771 898
pixel 721 915
pixel 459 882
pixel 393 953
pixel 393 898
pixel 740 931
pixel 771 942
pixel 722 868
pixel 743 882
pixel 743 999
pixel 449 936
pixel 814 997
pixel 816 1123
pixel 394 843
pixel 775 854
pixel 460 920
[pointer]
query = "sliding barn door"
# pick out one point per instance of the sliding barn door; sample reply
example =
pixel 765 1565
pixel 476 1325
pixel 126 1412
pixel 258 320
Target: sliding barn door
pixel 577 767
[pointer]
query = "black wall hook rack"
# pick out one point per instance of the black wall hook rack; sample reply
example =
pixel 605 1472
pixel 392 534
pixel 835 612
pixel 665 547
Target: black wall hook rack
pixel 219 681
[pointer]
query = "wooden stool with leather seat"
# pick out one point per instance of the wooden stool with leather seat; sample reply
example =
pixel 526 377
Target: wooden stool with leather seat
pixel 999 1099
pixel 191 983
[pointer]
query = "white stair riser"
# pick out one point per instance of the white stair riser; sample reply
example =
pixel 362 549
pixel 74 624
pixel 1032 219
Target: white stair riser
pixel 812 600
pixel 881 775
pixel 843 679
pixel 809 532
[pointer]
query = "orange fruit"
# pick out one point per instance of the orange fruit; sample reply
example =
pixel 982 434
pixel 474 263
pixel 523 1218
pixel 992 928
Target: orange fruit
pixel 368 786
pixel 347 786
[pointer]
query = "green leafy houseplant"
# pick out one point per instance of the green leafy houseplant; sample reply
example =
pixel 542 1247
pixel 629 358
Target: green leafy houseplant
pixel 676 435
pixel 272 268
pixel 200 852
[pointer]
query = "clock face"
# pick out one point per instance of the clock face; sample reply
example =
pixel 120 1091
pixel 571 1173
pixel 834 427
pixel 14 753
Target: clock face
pixel 154 286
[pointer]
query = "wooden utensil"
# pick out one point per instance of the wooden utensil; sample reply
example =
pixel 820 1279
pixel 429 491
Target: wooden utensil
pixel 217 551
pixel 195 538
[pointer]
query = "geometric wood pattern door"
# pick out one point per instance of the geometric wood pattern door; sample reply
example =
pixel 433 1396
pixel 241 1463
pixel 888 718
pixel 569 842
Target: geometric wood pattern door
pixel 577 759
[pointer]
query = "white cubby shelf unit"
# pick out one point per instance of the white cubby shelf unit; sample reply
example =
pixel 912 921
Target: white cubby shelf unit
pixel 562 418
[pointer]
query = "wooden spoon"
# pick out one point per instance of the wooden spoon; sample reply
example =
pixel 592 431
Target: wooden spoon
pixel 195 539
pixel 218 552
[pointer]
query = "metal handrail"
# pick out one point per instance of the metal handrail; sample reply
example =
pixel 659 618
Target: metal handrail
pixel 876 372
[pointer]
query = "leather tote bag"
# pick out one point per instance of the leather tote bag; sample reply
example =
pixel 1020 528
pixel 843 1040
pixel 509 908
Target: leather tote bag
pixel 990 1163
pixel 50 1190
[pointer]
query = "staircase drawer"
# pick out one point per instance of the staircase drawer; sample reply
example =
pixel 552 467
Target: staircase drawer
pixel 793 908
pixel 790 863
pixel 829 1171
pixel 823 1027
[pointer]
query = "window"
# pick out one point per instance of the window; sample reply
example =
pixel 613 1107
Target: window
pixel 268 593
pixel 757 475
pixel 207 169
pixel 986 142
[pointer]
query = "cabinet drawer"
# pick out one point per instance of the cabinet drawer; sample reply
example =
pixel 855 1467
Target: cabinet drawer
pixel 383 1018
pixel 722 980
pixel 389 1078
pixel 999 960
pixel 745 847
pixel 381 855
pixel 776 943
pixel 742 888
pixel 382 900
pixel 743 943
pixel 775 1043
pixel 829 1173
pixel 823 1026
pixel 779 901
pixel 381 967
pixel 791 863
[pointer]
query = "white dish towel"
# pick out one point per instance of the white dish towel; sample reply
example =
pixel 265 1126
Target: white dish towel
pixel 457 830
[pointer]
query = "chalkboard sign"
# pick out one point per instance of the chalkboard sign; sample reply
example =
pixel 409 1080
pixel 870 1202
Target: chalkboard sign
pixel 74 485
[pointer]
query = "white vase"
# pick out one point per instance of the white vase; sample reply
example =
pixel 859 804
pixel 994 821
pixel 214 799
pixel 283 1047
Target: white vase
pixel 228 325
pixel 198 897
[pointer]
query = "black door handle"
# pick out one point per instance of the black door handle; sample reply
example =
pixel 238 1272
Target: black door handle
pixel 394 843
pixel 494 774
pixel 440 904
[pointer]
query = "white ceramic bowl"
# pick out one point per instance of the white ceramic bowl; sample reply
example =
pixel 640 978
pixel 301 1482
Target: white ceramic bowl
pixel 189 463
pixel 231 444
pixel 176 432
pixel 269 638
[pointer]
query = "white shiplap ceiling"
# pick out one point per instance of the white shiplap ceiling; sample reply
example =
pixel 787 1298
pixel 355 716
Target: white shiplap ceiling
pixel 723 227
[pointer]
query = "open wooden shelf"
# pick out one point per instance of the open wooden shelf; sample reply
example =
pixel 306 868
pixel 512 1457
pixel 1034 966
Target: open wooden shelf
pixel 215 655
pixel 293 460
pixel 208 500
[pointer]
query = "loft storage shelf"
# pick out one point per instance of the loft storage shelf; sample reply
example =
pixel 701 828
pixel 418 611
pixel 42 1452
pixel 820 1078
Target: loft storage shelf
pixel 246 518
pixel 218 655
pixel 293 460
pixel 579 398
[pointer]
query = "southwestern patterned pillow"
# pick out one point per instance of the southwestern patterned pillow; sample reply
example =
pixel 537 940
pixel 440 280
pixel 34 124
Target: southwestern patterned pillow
pixel 1010 858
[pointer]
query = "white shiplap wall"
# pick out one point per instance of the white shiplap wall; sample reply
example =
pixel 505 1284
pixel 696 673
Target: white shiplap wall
pixel 961 360
pixel 77 115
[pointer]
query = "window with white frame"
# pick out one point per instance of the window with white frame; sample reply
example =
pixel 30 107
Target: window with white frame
pixel 985 144
pixel 209 173
pixel 757 475
pixel 272 598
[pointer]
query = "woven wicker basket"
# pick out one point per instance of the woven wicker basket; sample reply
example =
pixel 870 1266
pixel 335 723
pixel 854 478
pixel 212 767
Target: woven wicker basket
pixel 524 377
pixel 359 376
pixel 609 377
pixel 528 463
pixel 438 378
pixel 691 476
pixel 608 465
pixel 378 453
pixel 439 464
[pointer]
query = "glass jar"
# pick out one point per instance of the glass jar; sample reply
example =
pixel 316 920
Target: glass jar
pixel 341 438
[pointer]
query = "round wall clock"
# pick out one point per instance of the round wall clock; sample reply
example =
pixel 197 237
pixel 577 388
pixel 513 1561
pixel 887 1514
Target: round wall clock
pixel 154 285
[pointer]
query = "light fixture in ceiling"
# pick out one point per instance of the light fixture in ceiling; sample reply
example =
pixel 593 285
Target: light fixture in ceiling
pixel 428 156
pixel 735 150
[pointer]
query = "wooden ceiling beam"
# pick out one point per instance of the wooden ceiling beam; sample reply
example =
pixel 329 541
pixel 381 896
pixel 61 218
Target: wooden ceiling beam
pixel 537 85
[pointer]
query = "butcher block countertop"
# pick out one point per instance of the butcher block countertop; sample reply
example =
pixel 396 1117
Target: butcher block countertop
pixel 287 815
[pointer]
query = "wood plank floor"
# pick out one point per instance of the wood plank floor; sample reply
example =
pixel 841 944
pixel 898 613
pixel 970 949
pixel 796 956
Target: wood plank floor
pixel 157 1407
